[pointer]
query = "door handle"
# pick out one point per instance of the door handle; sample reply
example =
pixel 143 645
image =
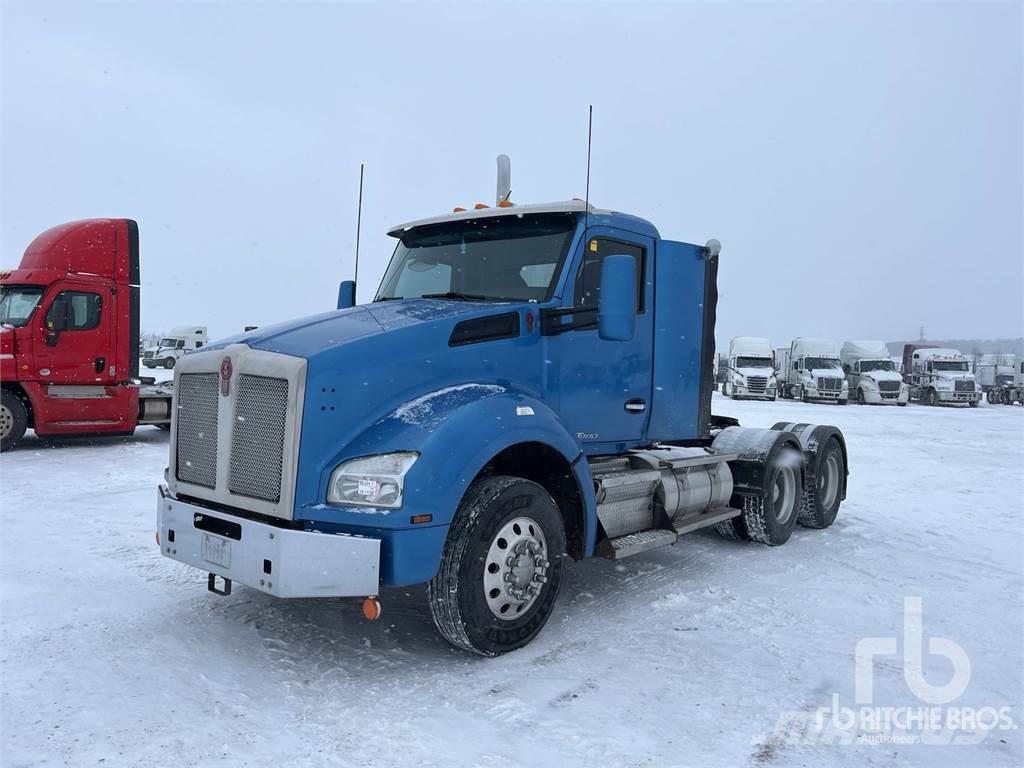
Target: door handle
pixel 100 363
pixel 636 405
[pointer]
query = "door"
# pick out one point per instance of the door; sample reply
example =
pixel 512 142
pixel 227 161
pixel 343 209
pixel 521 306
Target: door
pixel 604 387
pixel 74 343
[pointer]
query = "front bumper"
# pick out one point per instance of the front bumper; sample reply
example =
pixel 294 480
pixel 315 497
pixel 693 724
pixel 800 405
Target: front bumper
pixel 283 562
pixel 741 390
pixel 950 396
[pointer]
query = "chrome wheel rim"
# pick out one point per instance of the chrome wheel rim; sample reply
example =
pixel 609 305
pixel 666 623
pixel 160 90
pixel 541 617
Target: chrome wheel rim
pixel 784 494
pixel 516 568
pixel 6 421
pixel 828 483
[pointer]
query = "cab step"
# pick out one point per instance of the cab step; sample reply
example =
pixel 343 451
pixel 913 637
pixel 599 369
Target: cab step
pixel 643 541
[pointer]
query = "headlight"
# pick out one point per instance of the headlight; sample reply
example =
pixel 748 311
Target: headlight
pixel 372 481
pixel 870 384
pixel 943 384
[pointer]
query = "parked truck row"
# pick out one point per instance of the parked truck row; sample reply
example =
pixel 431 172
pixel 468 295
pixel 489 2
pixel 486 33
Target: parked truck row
pixel 819 370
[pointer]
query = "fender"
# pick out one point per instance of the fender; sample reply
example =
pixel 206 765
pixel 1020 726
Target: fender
pixel 456 430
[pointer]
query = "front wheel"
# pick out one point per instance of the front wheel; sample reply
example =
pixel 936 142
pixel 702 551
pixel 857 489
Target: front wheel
pixel 973 403
pixel 168 363
pixel 501 568
pixel 933 397
pixel 13 420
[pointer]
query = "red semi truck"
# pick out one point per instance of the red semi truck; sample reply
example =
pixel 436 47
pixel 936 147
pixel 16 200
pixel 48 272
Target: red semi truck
pixel 69 336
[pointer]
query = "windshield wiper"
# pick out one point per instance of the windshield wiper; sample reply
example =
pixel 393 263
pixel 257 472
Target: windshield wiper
pixel 388 298
pixel 456 295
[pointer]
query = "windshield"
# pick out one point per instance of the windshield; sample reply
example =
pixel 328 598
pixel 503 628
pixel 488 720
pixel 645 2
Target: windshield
pixel 515 258
pixel 753 362
pixel 877 365
pixel 817 363
pixel 168 342
pixel 18 302
pixel 949 365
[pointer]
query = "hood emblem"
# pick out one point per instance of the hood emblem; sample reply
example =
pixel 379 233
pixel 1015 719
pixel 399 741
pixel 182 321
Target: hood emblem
pixel 225 376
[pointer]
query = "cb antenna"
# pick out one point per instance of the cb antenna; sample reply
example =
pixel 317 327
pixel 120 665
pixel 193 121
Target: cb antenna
pixel 586 199
pixel 359 224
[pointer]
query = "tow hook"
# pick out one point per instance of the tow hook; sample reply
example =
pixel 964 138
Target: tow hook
pixel 211 584
pixel 372 608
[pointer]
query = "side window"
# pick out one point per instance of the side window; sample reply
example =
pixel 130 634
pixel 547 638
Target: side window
pixel 83 310
pixel 180 344
pixel 588 279
pixel 199 344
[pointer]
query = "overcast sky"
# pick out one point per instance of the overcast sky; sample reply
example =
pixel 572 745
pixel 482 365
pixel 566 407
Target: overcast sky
pixel 861 164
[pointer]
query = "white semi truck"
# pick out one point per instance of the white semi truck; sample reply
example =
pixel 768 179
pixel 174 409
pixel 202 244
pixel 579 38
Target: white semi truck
pixel 180 340
pixel 871 374
pixel 939 376
pixel 750 372
pixel 810 369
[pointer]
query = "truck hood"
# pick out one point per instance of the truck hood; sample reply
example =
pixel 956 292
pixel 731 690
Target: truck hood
pixel 955 376
pixel 310 336
pixel 882 376
pixel 826 373
pixel 768 372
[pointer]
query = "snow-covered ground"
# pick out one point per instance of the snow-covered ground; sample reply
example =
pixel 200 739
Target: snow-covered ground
pixel 686 656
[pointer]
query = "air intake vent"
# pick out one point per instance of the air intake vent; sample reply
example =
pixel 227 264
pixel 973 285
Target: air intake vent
pixel 257 437
pixel 196 419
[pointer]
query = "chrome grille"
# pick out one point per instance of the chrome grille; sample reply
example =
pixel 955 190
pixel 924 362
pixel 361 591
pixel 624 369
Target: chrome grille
pixel 196 400
pixel 962 385
pixel 830 384
pixel 757 383
pixel 257 437
pixel 888 386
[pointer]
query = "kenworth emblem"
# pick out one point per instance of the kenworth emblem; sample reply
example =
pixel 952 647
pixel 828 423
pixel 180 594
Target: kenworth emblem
pixel 225 376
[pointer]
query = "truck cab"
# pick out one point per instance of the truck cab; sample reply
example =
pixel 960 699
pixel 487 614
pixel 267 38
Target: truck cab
pixel 178 342
pixel 751 369
pixel 871 374
pixel 530 383
pixel 940 376
pixel 69 335
pixel 813 371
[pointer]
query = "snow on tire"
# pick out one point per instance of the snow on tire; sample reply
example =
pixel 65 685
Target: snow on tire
pixel 501 568
pixel 825 472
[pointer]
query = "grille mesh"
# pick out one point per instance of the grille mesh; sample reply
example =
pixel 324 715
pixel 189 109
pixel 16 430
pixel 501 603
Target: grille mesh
pixel 257 437
pixel 962 385
pixel 830 384
pixel 888 386
pixel 757 383
pixel 196 400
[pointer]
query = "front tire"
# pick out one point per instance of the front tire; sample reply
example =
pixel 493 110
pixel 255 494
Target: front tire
pixel 933 397
pixel 13 420
pixel 169 363
pixel 501 568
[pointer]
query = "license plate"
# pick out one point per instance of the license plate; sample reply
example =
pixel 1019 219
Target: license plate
pixel 216 550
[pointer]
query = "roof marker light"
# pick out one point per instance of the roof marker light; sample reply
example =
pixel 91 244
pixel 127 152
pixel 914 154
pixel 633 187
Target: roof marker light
pixel 457 209
pixel 480 206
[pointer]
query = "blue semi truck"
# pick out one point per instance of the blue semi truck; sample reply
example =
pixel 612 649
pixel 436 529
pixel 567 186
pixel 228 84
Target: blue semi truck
pixel 531 383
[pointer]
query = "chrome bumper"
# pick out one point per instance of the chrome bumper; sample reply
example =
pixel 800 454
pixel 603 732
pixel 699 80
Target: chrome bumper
pixel 279 561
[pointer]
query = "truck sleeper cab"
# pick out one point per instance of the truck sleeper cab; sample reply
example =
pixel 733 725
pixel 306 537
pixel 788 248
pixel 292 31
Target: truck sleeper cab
pixel 871 374
pixel 531 383
pixel 751 369
pixel 178 342
pixel 69 336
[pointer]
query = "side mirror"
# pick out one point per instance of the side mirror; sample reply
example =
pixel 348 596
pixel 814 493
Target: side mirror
pixel 56 319
pixel 616 309
pixel 347 294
